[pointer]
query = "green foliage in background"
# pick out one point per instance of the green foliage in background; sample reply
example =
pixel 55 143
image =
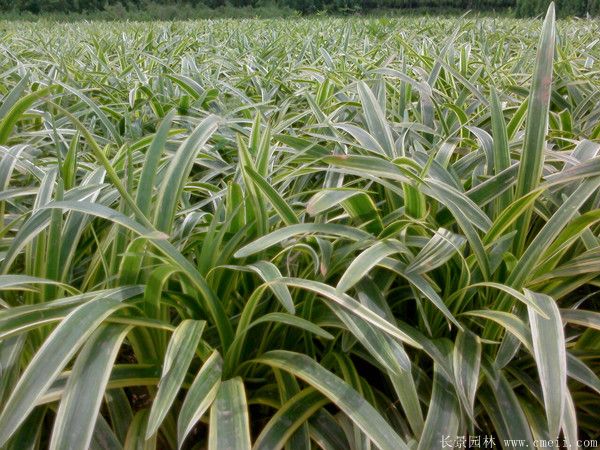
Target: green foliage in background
pixel 190 9
pixel 580 8
pixel 319 233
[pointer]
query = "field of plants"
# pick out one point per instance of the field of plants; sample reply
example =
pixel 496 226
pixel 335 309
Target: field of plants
pixel 311 233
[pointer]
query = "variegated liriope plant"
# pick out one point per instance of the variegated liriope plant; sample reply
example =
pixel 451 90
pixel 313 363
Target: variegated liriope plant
pixel 311 233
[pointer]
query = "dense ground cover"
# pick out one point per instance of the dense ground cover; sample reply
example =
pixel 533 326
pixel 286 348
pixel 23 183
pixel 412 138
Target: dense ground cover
pixel 318 233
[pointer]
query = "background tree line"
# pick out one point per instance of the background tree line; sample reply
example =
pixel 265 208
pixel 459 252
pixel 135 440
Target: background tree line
pixel 521 8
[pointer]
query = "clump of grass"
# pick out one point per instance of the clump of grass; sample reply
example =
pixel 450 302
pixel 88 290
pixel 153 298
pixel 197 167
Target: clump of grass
pixel 316 233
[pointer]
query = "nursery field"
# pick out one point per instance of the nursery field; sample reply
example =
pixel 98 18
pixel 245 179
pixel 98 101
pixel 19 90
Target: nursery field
pixel 300 233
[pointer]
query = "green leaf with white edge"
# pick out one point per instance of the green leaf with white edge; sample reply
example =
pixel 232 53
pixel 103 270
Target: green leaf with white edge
pixel 467 215
pixel 376 121
pixel 534 413
pixel 415 204
pixel 346 398
pixel 569 422
pixel 282 234
pixel 369 166
pixel 19 319
pixel 14 95
pixel 459 204
pixel 151 161
pixel 352 306
pixel 532 161
pixel 8 163
pixel 10 356
pixel 363 137
pixel 50 359
pixel 136 435
pixel 500 146
pixel 406 390
pixel 293 321
pixel 517 119
pixel 329 198
pixel 585 169
pixel 178 171
pixel 510 322
pixel 532 157
pixel 509 216
pixel 288 387
pixel 229 424
pixel 368 259
pixel 512 292
pixel 200 396
pixel 80 404
pixel 425 288
pixel 29 433
pixel 439 249
pixel 99 210
pixel 502 405
pixel 180 352
pixel 17 110
pixel 578 370
pixel 123 375
pixel 24 281
pixel 357 203
pixel 587 264
pixel 104 438
pixel 289 418
pixel 466 359
pixel 109 127
pixel 269 272
pixel 550 355
pixel 572 232
pixel 585 318
pixel 443 416
pixel 119 411
pixel 256 208
pixel 283 209
pixel 386 350
pixel 326 431
pixel 362 209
